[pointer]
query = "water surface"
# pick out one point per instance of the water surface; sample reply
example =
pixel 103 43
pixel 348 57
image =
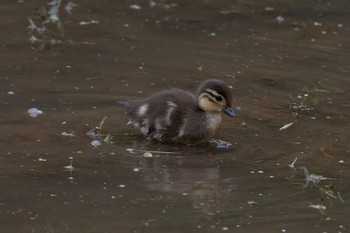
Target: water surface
pixel 287 63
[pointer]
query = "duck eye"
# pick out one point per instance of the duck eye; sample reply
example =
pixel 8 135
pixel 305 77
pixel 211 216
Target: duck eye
pixel 218 98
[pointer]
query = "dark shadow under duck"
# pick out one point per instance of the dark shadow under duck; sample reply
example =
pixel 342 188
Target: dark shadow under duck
pixel 179 116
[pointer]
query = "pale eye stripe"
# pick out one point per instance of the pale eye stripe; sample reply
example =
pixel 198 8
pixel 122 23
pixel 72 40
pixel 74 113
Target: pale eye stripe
pixel 214 94
pixel 209 97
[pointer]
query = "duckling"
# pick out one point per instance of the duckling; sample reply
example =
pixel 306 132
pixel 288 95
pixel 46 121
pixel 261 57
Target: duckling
pixel 179 116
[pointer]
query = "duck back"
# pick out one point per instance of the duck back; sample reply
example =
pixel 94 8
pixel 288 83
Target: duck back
pixel 172 115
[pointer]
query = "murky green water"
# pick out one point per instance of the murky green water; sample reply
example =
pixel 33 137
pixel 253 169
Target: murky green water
pixel 287 61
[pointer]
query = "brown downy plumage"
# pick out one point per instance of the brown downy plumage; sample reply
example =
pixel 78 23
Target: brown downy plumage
pixel 176 115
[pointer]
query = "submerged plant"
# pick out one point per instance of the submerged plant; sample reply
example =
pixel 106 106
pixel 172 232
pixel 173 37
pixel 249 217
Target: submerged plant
pixel 319 182
pixel 325 185
pixel 46 28
pixel 96 132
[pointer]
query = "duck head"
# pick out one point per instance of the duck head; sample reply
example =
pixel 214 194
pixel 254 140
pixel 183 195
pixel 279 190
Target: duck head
pixel 214 97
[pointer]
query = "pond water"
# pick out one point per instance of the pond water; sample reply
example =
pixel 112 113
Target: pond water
pixel 287 61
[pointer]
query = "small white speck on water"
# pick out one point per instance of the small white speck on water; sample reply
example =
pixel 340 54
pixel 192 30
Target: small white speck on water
pixel 280 19
pixel 34 112
pixel 136 169
pixel 224 228
pixel 135 7
pixel 341 161
pixel 130 150
pixel 10 93
pixel 121 186
pixel 251 202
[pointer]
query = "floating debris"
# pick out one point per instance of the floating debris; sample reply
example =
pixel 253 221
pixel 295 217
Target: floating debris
pixel 89 22
pixel 293 163
pixel 70 166
pixel 301 107
pixel 152 3
pixel 135 7
pixel 67 134
pixel 280 19
pixel 160 152
pixel 148 155
pixel 10 93
pixel 318 207
pixel 92 133
pixel 251 202
pixel 340 198
pixel 97 132
pixel 34 112
pixel 300 104
pixel 130 150
pixel 108 138
pixel 69 7
pixel 313 178
pixel 286 126
pixel 220 144
pixel 96 143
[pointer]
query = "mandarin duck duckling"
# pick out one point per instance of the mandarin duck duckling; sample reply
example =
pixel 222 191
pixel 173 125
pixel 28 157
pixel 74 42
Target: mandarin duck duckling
pixel 176 115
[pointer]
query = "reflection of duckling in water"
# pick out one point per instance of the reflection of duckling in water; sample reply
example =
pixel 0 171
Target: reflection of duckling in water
pixel 179 116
